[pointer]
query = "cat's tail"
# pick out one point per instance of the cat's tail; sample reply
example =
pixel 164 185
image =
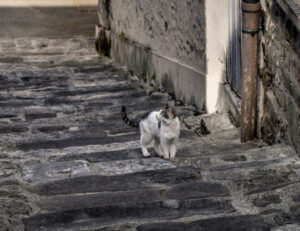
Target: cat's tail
pixel 128 121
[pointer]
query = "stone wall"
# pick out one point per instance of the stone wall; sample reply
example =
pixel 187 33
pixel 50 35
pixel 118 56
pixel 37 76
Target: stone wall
pixel 280 73
pixel 166 43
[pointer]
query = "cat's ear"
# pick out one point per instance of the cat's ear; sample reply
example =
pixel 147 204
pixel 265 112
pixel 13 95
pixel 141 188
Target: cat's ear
pixel 174 112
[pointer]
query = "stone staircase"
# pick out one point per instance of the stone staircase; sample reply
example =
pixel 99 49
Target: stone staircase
pixel 68 162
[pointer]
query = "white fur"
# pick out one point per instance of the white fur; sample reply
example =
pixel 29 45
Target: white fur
pixel 165 138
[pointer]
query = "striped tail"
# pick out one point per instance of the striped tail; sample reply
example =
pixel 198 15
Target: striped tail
pixel 127 121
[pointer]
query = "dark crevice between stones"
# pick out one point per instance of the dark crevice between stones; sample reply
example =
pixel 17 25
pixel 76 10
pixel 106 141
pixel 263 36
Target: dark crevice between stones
pixel 114 89
pixel 13 129
pixel 43 115
pixel 50 128
pixel 266 200
pixel 104 156
pixel 17 104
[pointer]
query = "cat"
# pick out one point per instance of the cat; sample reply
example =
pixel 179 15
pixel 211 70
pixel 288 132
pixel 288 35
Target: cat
pixel 162 126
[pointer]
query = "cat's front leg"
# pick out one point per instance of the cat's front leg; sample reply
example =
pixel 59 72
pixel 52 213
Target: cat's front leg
pixel 173 148
pixel 157 148
pixel 145 151
pixel 145 140
pixel 165 148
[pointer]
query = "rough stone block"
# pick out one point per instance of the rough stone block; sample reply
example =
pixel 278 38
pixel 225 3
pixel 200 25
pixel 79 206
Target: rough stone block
pixel 103 43
pixel 266 200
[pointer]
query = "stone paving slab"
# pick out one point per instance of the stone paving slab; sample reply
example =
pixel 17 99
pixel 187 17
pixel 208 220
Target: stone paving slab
pixel 247 223
pixel 132 181
pixel 197 189
pixel 171 209
pixel 43 173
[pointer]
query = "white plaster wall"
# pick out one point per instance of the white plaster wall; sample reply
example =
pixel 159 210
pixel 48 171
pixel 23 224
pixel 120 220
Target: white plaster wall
pixel 217 35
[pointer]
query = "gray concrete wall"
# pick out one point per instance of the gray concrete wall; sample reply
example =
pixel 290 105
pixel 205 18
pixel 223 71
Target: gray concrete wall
pixel 170 44
pixel 280 73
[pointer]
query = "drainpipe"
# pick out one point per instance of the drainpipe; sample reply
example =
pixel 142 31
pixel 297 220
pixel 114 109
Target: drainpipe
pixel 250 29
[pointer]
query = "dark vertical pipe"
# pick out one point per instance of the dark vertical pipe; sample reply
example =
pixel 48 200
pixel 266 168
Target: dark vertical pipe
pixel 250 29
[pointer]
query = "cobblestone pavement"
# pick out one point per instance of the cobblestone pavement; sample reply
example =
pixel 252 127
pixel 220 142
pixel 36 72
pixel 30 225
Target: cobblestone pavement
pixel 68 162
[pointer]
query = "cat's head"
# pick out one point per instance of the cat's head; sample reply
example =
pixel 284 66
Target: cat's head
pixel 168 113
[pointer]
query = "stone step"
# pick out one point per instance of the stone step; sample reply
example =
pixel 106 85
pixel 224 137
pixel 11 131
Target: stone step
pixel 291 217
pixel 125 211
pixel 18 103
pixel 84 91
pixel 254 164
pixel 123 144
pixel 12 129
pixel 237 223
pixel 75 142
pixel 258 180
pixel 60 89
pixel 99 99
pixel 105 156
pixel 183 191
pixel 95 101
pixel 137 178
pixel 221 157
pixel 49 172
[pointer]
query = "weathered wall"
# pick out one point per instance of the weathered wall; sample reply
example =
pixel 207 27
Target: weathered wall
pixel 175 29
pixel 281 72
pixel 166 41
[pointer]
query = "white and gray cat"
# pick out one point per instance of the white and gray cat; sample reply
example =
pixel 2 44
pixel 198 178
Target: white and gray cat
pixel 162 126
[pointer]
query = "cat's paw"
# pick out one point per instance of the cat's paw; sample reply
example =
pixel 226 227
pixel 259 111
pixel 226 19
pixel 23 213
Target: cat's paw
pixel 172 156
pixel 146 154
pixel 160 154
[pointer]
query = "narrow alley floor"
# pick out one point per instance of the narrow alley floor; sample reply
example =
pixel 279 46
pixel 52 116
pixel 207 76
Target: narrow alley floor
pixel 68 162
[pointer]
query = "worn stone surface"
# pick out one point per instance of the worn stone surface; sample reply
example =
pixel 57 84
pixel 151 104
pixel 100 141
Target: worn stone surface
pixel 287 228
pixel 68 161
pixel 227 223
pixel 265 201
